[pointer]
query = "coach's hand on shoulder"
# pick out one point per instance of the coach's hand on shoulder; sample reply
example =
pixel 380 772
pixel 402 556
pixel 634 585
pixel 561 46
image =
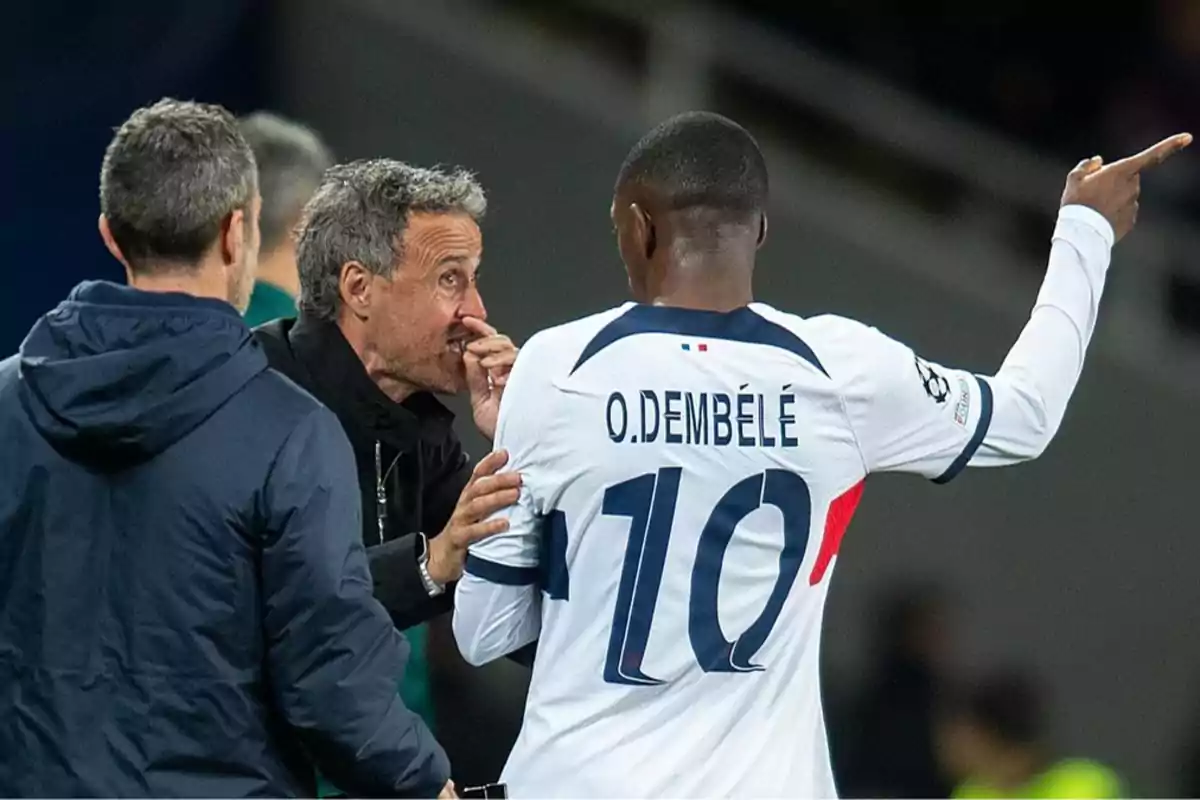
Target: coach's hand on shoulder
pixel 1113 189
pixel 485 494
pixel 488 360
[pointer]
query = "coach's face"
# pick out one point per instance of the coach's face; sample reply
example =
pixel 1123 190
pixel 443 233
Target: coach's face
pixel 416 326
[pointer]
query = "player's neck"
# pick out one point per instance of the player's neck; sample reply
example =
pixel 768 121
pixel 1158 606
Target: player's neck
pixel 705 286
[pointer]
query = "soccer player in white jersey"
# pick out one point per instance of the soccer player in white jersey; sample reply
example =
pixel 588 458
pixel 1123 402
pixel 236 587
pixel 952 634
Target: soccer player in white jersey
pixel 689 462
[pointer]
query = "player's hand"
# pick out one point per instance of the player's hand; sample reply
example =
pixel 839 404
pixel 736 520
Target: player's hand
pixel 447 792
pixel 485 494
pixel 1113 189
pixel 488 360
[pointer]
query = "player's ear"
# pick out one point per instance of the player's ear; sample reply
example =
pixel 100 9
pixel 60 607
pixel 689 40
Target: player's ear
pixel 762 229
pixel 643 229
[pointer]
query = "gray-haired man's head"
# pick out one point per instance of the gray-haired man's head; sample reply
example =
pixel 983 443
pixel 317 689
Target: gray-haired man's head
pixel 291 160
pixel 179 191
pixel 392 252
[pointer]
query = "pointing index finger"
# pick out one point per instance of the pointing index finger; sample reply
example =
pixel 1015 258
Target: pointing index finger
pixel 1156 154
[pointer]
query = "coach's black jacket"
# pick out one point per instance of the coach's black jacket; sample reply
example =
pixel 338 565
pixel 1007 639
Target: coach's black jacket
pixel 185 605
pixel 410 462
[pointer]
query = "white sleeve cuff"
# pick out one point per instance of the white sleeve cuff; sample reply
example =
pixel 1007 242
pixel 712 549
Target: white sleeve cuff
pixel 1087 233
pixel 1090 233
pixel 1090 217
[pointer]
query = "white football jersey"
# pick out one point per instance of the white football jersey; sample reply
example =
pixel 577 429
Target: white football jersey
pixel 687 478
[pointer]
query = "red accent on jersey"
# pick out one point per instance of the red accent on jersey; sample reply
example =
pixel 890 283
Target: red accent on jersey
pixel 841 511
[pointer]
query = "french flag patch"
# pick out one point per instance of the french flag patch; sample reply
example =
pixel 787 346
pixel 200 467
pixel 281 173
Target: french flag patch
pixel 702 347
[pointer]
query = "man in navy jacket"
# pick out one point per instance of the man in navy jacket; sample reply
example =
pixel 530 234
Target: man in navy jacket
pixel 185 603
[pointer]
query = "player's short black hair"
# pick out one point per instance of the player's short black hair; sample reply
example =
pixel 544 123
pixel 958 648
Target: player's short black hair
pixel 171 174
pixel 700 160
pixel 1008 704
pixel 291 160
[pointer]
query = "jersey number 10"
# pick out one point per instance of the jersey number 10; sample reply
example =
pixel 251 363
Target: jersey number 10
pixel 649 501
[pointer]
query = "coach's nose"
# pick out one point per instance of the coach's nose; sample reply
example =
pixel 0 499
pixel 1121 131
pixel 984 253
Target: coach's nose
pixel 472 305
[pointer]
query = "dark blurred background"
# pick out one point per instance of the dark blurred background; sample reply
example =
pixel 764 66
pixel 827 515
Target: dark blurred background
pixel 917 153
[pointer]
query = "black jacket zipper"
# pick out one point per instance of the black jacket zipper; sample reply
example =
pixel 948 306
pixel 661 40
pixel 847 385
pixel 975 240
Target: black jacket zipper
pixel 380 492
pixel 381 500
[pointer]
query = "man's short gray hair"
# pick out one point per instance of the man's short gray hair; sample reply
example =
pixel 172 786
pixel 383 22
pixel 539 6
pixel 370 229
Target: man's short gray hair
pixel 171 174
pixel 359 213
pixel 291 160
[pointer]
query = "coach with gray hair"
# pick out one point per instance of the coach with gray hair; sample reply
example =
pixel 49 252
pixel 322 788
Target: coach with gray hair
pixel 390 317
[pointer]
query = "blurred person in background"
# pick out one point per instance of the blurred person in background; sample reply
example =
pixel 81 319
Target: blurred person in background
pixel 992 739
pixel 888 738
pixel 390 317
pixel 291 159
pixel 185 605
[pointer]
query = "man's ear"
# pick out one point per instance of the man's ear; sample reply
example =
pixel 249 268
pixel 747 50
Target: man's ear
pixel 233 237
pixel 355 285
pixel 644 231
pixel 111 243
pixel 762 229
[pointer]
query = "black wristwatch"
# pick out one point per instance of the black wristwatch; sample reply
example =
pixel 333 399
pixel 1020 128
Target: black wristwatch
pixel 433 587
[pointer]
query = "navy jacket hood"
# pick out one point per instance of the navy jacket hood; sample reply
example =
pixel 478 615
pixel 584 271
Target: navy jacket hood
pixel 114 375
pixel 190 612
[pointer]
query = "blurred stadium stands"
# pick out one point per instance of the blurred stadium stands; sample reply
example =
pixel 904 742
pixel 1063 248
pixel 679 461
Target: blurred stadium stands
pixel 970 117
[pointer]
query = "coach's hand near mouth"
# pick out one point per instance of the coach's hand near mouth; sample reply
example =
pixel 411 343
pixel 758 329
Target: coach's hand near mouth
pixel 487 360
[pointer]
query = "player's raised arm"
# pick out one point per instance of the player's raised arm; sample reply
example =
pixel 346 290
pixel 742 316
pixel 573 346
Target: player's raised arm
pixel 915 416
